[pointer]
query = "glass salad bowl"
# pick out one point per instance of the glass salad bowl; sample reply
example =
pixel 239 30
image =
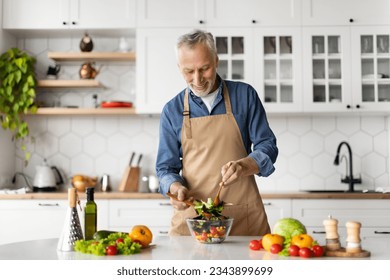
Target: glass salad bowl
pixel 210 231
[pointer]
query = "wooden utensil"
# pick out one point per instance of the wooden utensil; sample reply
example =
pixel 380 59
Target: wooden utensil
pixel 189 203
pixel 216 199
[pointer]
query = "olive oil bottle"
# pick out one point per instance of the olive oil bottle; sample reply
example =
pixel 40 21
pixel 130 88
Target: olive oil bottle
pixel 90 215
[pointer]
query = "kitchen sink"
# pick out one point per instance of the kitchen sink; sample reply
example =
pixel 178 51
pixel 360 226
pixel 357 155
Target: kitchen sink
pixel 338 191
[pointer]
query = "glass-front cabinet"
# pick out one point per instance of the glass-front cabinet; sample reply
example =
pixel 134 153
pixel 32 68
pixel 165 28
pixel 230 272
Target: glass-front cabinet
pixel 371 67
pixel 327 75
pixel 277 69
pixel 234 52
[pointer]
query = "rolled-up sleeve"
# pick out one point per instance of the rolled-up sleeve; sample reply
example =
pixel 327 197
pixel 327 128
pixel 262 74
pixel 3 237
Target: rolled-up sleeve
pixel 168 164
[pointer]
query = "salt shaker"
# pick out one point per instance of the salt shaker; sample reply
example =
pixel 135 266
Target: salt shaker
pixel 353 237
pixel 332 236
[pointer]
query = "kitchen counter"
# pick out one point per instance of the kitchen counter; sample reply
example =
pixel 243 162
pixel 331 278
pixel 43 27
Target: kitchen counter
pixel 165 248
pixel 135 195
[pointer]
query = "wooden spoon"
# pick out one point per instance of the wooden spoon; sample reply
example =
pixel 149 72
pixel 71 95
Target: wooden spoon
pixel 189 203
pixel 216 199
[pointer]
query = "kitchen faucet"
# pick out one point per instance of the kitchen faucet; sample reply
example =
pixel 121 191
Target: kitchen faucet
pixel 348 179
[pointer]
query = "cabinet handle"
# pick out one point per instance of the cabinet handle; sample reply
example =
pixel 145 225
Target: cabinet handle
pixel 201 22
pixel 254 21
pixel 381 232
pixel 348 106
pixel 48 204
pixel 318 232
pixel 351 20
pixel 162 232
pixel 267 204
pixel 358 106
pixel 74 23
pixel 64 23
pixel 164 204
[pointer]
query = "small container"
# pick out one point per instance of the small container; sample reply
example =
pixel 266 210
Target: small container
pixel 153 183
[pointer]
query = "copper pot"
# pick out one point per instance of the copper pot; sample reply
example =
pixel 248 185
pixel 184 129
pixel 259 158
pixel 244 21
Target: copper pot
pixel 87 71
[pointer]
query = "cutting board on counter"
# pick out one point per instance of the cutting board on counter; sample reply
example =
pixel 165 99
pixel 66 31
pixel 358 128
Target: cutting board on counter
pixel 342 253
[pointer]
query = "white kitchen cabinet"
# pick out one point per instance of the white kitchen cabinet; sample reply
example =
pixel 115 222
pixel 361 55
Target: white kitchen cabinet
pixel 217 13
pixel 345 12
pixel 346 69
pixel 277 209
pixel 327 69
pixel 371 67
pixel 68 14
pixel 277 67
pixel 158 78
pixel 154 213
pixel 22 220
pixel 373 214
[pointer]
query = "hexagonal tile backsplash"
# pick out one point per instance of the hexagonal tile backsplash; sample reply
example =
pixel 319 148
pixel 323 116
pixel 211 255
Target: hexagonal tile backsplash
pixel 103 144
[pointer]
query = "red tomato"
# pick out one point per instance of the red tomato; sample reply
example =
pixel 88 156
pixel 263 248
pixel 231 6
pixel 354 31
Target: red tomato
pixel 261 244
pixel 276 248
pixel 305 252
pixel 203 236
pixel 254 245
pixel 213 231
pixel 111 250
pixel 119 240
pixel 318 251
pixel 293 251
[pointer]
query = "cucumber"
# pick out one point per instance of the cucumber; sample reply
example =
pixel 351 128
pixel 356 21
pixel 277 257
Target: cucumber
pixel 100 234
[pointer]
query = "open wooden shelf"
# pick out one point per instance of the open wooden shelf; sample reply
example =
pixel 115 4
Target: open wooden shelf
pixel 85 111
pixel 92 56
pixel 69 84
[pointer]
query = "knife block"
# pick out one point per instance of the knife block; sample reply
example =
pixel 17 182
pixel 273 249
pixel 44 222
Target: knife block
pixel 130 179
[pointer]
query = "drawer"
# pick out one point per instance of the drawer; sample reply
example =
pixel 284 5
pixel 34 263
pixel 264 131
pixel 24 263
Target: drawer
pixel 149 212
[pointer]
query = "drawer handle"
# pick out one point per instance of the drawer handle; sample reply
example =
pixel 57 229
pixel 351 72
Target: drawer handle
pixel 48 204
pixel 318 232
pixel 164 204
pixel 163 232
pixel 381 232
pixel 267 204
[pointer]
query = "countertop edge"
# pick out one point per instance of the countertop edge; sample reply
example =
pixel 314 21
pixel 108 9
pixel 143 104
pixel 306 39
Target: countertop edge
pixel 137 195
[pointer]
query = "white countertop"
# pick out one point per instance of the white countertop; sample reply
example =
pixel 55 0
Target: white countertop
pixel 166 248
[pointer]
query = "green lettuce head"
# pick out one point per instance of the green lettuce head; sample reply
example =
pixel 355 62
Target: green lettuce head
pixel 289 227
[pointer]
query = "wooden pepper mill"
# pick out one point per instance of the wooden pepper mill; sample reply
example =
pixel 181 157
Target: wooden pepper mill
pixel 353 237
pixel 332 236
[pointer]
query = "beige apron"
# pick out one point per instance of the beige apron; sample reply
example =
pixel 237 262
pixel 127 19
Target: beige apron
pixel 208 143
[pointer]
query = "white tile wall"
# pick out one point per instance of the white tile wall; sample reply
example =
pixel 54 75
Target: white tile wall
pixel 97 145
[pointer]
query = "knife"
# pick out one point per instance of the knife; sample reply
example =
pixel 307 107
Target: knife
pixel 139 160
pixel 131 158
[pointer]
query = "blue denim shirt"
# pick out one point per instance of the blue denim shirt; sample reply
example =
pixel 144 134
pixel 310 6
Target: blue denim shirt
pixel 249 114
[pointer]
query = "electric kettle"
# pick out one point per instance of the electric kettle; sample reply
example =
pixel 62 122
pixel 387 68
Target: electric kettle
pixel 47 178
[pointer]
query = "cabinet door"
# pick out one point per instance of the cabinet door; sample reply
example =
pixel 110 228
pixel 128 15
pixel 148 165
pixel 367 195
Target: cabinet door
pixel 277 209
pixel 277 57
pixel 154 213
pixel 233 13
pixel 103 13
pixel 371 68
pixel 23 220
pixel 346 12
pixel 327 69
pixel 170 13
pixel 158 77
pixel 234 47
pixel 38 14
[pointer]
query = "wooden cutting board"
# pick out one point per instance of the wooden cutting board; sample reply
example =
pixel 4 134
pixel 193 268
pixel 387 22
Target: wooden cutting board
pixel 344 254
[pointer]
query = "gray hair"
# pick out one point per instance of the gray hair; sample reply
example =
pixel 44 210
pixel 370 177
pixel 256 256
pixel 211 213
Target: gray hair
pixel 195 37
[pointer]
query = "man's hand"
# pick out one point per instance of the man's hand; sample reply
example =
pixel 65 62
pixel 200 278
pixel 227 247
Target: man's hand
pixel 233 170
pixel 180 192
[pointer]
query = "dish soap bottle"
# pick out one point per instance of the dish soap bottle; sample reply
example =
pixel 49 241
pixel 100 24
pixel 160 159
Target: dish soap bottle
pixel 90 215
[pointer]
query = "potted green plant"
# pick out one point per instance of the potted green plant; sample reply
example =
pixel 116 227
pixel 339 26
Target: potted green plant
pixel 17 93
